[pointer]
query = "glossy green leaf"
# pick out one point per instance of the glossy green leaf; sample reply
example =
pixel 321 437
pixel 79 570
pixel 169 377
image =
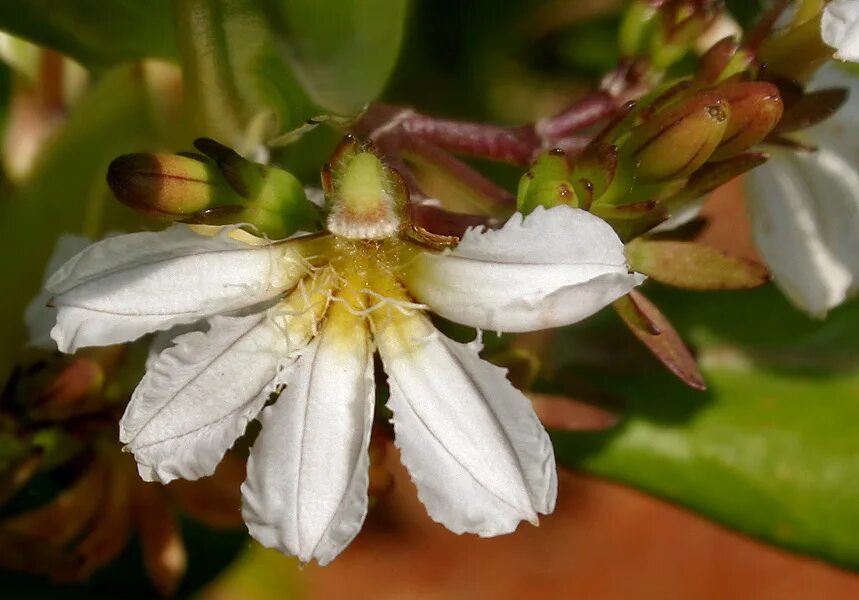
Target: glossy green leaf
pixel 770 449
pixel 67 192
pixel 98 34
pixel 343 51
pixel 242 90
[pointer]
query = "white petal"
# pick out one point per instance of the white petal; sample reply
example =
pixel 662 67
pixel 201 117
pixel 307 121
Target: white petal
pixel 839 28
pixel 480 458
pixel 837 132
pixel 804 209
pixel 123 287
pixel 198 396
pixel 552 268
pixel 163 340
pixel 40 317
pixel 306 487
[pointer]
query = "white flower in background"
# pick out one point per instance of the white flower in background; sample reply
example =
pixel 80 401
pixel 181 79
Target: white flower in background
pixel 39 316
pixel 302 318
pixel 804 208
pixel 722 26
pixel 839 28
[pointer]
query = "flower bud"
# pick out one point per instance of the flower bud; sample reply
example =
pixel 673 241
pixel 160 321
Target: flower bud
pixel 594 172
pixel 723 59
pixel 218 188
pixel 270 198
pixel 168 186
pixel 680 138
pixel 546 184
pixel 756 108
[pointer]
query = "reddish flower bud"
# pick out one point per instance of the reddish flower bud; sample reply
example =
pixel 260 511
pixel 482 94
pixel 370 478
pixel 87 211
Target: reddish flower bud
pixel 756 108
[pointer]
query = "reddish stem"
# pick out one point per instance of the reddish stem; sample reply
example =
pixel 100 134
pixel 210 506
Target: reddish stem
pixel 591 109
pixel 515 145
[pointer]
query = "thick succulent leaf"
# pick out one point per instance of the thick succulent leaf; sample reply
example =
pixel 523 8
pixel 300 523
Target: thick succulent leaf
pixel 96 34
pixel 341 50
pixel 770 449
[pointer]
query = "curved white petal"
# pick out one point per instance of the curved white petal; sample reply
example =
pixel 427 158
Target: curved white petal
pixel 480 458
pixel 306 487
pixel 198 396
pixel 552 268
pixel 839 28
pixel 804 210
pixel 40 317
pixel 123 287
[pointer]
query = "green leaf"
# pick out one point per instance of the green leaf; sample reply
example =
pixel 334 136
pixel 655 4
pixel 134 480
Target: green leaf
pixel 242 89
pixel 343 51
pixel 67 192
pixel 770 449
pixel 98 34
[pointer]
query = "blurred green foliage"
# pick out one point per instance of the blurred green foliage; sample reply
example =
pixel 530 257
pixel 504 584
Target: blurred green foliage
pixel 769 449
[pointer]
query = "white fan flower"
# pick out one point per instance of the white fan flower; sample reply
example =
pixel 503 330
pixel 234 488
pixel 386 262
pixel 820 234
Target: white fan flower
pixel 301 319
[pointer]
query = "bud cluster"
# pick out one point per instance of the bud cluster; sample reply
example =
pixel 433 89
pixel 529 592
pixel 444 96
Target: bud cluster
pixel 639 169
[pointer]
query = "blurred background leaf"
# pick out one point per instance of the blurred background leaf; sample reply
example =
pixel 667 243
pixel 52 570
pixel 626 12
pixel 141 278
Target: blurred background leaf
pixel 66 191
pixel 343 51
pixel 98 34
pixel 257 69
pixel 241 88
pixel 770 449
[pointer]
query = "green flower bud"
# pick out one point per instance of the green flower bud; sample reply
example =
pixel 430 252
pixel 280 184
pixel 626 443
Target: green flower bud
pixel 677 140
pixel 546 184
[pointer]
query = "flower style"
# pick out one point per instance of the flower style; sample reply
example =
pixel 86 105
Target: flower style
pixel 301 319
pixel 804 208
pixel 839 28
